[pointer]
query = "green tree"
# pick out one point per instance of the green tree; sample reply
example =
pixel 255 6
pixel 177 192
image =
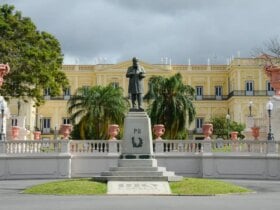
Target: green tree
pixel 171 104
pixel 92 109
pixel 35 58
pixel 239 127
pixel 221 127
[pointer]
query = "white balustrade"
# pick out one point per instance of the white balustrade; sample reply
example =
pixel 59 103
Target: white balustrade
pixel 95 146
pixel 31 147
pixel 160 146
pixel 178 146
pixel 244 146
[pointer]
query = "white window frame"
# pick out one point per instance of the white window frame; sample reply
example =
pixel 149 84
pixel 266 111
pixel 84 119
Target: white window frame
pixel 66 120
pixel 115 84
pixel 46 124
pixel 47 93
pixel 198 124
pixel 218 92
pixel 199 92
pixel 67 93
pixel 269 89
pixel 14 121
pixel 249 87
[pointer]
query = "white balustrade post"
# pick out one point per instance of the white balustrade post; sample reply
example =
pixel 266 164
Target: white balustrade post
pixel 207 146
pixel 113 146
pixel 208 169
pixel 271 147
pixel 159 146
pixel 65 146
pixel 2 147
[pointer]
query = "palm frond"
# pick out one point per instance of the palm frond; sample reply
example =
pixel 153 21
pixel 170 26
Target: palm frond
pixel 171 103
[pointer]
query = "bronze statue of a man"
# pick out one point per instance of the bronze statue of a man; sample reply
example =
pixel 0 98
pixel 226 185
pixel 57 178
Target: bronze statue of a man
pixel 135 73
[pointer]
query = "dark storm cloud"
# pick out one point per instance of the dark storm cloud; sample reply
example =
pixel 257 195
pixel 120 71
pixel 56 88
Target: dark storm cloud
pixel 152 29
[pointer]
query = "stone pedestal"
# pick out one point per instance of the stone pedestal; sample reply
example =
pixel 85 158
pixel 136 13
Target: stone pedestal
pixel 137 141
pixel 252 122
pixel 137 171
pixel 275 117
pixel 22 131
pixel 249 122
pixel 3 121
pixel 247 132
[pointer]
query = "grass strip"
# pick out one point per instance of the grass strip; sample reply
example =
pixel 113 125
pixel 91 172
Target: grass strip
pixel 188 186
pixel 196 186
pixel 69 187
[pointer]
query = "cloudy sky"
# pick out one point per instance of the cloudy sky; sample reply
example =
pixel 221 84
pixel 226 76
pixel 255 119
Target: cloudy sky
pixel 113 31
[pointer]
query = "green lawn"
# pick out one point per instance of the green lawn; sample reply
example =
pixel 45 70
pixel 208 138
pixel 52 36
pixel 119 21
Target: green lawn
pixel 69 187
pixel 188 186
pixel 195 186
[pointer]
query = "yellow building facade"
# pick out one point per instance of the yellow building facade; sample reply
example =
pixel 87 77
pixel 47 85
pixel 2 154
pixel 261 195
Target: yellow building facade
pixel 220 90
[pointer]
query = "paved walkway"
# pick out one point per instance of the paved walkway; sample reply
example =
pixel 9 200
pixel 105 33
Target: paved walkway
pixel 267 196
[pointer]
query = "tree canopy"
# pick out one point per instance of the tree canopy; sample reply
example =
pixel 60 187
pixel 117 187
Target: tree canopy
pixel 222 127
pixel 270 51
pixel 171 104
pixel 35 58
pixel 92 109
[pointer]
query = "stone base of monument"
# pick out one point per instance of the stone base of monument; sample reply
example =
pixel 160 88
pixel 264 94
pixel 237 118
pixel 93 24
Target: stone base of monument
pixel 138 176
pixel 138 188
pixel 137 171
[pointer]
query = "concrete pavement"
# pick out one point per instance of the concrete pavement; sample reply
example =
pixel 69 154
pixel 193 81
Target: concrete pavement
pixel 266 197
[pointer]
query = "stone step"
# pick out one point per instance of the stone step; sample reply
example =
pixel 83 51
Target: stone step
pixel 168 173
pixel 175 178
pixel 133 173
pixel 137 169
pixel 137 163
pixel 130 178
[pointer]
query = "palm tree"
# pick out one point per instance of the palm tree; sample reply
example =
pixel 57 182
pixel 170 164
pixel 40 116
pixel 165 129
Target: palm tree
pixel 93 108
pixel 171 104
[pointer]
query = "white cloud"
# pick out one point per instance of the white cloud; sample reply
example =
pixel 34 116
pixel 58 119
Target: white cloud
pixel 178 29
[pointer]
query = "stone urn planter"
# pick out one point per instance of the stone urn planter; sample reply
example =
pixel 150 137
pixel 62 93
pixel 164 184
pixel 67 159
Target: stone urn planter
pixel 207 130
pixel 113 131
pixel 15 132
pixel 255 132
pixel 4 69
pixel 65 130
pixel 37 135
pixel 234 135
pixel 273 72
pixel 158 130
